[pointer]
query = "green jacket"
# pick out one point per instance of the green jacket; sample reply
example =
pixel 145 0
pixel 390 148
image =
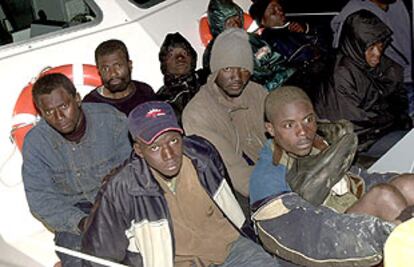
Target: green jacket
pixel 270 68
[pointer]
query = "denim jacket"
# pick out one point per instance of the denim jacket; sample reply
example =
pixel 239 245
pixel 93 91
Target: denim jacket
pixel 58 174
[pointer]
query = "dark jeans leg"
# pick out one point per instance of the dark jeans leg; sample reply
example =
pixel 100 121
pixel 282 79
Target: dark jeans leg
pixel 70 241
pixel 372 178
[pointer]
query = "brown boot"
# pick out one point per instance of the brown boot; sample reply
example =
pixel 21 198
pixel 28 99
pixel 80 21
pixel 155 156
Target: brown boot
pixel 312 177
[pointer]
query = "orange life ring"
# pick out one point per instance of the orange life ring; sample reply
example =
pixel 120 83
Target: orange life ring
pixel 204 27
pixel 25 114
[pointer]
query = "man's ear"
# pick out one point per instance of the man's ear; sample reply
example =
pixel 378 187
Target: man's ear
pixel 78 99
pixel 137 149
pixel 130 65
pixel 270 129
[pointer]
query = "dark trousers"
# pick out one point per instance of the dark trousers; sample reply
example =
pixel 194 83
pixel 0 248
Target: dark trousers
pixel 71 241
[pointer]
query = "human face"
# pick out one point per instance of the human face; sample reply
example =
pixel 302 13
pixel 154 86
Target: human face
pixel 293 127
pixel 115 71
pixel 178 62
pixel 273 15
pixel 60 110
pixel 233 22
pixel 232 81
pixel 164 155
pixel 374 53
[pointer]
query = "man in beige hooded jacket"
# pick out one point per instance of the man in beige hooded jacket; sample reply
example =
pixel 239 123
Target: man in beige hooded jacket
pixel 228 109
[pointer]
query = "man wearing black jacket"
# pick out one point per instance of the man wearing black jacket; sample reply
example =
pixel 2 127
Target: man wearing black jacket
pixel 170 204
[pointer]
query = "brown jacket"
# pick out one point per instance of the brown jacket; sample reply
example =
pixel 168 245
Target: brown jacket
pixel 234 127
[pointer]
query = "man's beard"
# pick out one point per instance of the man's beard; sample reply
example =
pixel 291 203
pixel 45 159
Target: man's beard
pixel 115 88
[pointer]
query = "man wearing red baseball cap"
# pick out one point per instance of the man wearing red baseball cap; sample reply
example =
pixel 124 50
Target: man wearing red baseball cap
pixel 170 204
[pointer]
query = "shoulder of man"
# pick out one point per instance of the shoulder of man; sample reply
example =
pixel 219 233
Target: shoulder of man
pixel 41 130
pixel 102 109
pixel 345 64
pixel 143 86
pixel 197 147
pixel 388 63
pixel 92 96
pixel 199 103
pixel 198 144
pixel 118 178
pixel 133 177
pixel 254 90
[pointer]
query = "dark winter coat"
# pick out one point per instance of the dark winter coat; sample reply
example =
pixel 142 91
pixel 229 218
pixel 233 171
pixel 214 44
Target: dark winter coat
pixel 307 52
pixel 178 91
pixel 131 222
pixel 372 98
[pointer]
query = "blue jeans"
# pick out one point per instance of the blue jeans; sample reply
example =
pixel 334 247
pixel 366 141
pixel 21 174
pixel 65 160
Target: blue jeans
pixel 70 241
pixel 372 179
pixel 246 253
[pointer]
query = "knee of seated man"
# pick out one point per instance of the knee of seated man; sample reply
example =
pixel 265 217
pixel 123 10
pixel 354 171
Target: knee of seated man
pixel 405 180
pixel 387 193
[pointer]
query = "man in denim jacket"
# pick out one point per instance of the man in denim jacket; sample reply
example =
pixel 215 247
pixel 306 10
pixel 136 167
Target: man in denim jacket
pixel 66 155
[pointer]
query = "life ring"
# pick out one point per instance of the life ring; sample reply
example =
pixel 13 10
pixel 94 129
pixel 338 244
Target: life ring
pixel 205 32
pixel 25 115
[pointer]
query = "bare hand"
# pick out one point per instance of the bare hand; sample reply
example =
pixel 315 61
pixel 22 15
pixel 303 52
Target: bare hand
pixel 296 27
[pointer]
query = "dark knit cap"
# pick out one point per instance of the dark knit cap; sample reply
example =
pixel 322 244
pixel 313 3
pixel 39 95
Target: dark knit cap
pixel 257 10
pixel 174 40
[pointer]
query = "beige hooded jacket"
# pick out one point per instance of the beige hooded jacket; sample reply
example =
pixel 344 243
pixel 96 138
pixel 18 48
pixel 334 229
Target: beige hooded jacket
pixel 234 127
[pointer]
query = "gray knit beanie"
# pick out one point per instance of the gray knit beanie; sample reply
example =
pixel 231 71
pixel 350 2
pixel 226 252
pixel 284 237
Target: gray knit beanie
pixel 231 48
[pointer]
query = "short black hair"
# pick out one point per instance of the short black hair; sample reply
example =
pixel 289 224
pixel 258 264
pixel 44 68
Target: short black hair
pixel 109 47
pixel 283 95
pixel 50 82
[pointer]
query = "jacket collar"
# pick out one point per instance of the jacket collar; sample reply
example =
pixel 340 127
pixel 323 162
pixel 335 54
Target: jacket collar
pixel 146 183
pixel 216 94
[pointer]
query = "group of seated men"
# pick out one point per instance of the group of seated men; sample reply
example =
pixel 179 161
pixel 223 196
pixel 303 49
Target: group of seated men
pixel 176 178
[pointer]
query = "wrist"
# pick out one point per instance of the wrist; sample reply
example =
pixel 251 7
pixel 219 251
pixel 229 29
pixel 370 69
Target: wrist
pixel 307 28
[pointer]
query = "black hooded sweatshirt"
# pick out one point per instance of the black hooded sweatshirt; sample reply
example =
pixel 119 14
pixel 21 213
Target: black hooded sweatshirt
pixel 178 91
pixel 373 99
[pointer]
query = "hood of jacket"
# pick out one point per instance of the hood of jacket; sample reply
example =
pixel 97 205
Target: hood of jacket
pixel 219 11
pixel 361 30
pixel 171 41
